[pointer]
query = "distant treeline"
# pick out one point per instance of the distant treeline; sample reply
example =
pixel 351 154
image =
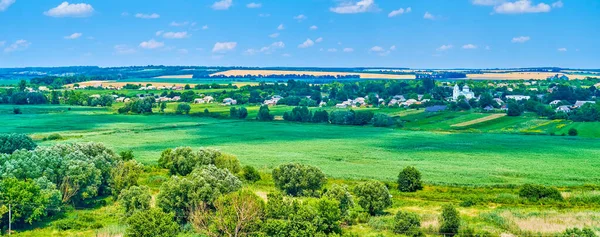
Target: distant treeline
pixel 291 76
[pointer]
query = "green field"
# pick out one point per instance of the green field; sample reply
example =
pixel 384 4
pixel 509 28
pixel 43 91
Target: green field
pixel 452 158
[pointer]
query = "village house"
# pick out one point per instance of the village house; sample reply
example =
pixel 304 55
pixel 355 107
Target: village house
pixel 563 108
pixel 580 103
pixel 229 101
pixel 518 97
pixel 204 100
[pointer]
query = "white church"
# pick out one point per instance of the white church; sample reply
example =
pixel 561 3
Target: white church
pixel 466 92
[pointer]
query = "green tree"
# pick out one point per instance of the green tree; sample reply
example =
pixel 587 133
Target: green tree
pixel 263 114
pixel 373 196
pixel 135 198
pixel 55 97
pixel 22 85
pixel 573 132
pixel 250 174
pixel 183 108
pixel 124 175
pixel 342 195
pixel 382 120
pixel 28 200
pixel 407 223
pixel 449 221
pixel 150 223
pixel 126 155
pixel 536 192
pixel 514 109
pixel 182 160
pixel 297 179
pixel 163 106
pixel 12 142
pixel 409 180
pixel 229 162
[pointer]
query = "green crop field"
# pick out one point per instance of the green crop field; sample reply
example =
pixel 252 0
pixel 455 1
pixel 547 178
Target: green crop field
pixel 348 152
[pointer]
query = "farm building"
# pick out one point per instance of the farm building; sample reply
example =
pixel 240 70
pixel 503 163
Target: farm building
pixel 518 97
pixel 580 103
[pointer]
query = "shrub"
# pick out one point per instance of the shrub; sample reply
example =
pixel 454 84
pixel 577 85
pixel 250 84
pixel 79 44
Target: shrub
pixel 229 162
pixel 182 160
pixel 537 192
pixel 136 198
pixel 409 180
pixel 17 110
pixel 382 120
pixel 124 175
pixel 250 174
pixel 450 221
pixel 576 232
pixel 297 179
pixel 573 132
pixel 183 108
pixel 341 194
pixel 263 114
pixel 150 223
pixel 407 223
pixel 126 155
pixel 53 137
pixel 373 196
pixel 12 142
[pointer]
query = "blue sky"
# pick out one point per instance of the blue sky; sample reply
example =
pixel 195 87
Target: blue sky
pixel 320 33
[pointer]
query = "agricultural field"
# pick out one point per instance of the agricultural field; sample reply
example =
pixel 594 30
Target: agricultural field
pixel 312 73
pixel 521 76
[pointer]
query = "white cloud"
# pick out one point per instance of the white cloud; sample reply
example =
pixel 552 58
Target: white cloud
pixel 4 4
pixel 158 33
pixel 393 47
pixel 521 6
pixel 123 49
pixel 222 5
pixel 469 46
pixel 445 47
pixel 151 44
pixel 399 12
pixel 267 49
pixel 558 4
pixel 73 36
pixel 376 49
pixel 562 49
pixel 281 27
pixel 175 35
pixel 319 40
pixel 300 17
pixel 332 50
pixel 17 45
pixel 221 47
pixel 253 5
pixel 205 27
pixel 313 28
pixel 350 7
pixel 174 23
pixel 487 2
pixel 428 16
pixel 348 50
pixel 274 35
pixel 520 39
pixel 306 44
pixel 71 10
pixel 147 16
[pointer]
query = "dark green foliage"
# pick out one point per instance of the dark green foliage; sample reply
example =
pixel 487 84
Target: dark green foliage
pixel 138 106
pixel 150 223
pixel 53 137
pixel 124 175
pixel 536 192
pixel 514 109
pixel 573 132
pixel 205 184
pixel 263 114
pixel 586 113
pixel 28 199
pixel 449 221
pixel 343 196
pixel 182 160
pixel 351 117
pixel 407 223
pixel 126 155
pixel 373 196
pixel 235 113
pixel 409 180
pixel 183 108
pixel 12 142
pixel 17 110
pixel 298 114
pixel 576 232
pixel 297 179
pixel 320 116
pixel 250 174
pixel 135 198
pixel 383 120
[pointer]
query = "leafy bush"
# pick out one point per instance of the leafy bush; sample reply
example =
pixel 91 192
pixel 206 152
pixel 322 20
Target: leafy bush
pixel 573 132
pixel 576 232
pixel 297 179
pixel 12 142
pixel 373 196
pixel 409 180
pixel 250 174
pixel 53 137
pixel 124 175
pixel 383 120
pixel 126 155
pixel 263 114
pixel 537 192
pixel 150 223
pixel 450 221
pixel 407 223
pixel 183 108
pixel 229 162
pixel 135 199
pixel 341 194
pixel 182 160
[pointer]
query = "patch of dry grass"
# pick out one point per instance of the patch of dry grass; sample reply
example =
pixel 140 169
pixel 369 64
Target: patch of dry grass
pixel 190 76
pixel 520 76
pixel 312 73
pixel 479 120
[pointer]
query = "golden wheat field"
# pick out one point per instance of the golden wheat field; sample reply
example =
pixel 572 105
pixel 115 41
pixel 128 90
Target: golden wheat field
pixel 190 76
pixel 520 75
pixel 312 73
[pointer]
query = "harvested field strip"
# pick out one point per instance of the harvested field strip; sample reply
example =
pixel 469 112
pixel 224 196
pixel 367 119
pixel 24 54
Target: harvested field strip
pixel 312 73
pixel 190 76
pixel 480 120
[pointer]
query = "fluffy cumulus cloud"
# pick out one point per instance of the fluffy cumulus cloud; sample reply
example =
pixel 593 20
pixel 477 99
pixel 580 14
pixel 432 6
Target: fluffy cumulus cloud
pixel 428 16
pixel 174 35
pixel 300 17
pixel 348 50
pixel 307 43
pixel 71 10
pixel 469 46
pixel 151 44
pixel 147 16
pixel 123 49
pixel 253 5
pixel 17 45
pixel 353 7
pixel 488 2
pixel 376 49
pixel 73 36
pixel 4 4
pixel 222 47
pixel 267 49
pixel 177 24
pixel 399 12
pixel 281 27
pixel 222 5
pixel 521 6
pixel 520 39
pixel 445 47
pixel 313 28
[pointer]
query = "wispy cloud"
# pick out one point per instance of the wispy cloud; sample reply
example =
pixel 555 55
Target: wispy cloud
pixel 222 47
pixel 520 39
pixel 313 28
pixel 399 12
pixel 17 46
pixel 222 5
pixel 352 7
pixel 300 17
pixel 521 6
pixel 274 35
pixel 469 46
pixel 319 40
pixel 71 10
pixel 123 49
pixel 151 44
pixel 445 47
pixel 174 35
pixel 348 50
pixel 267 49
pixel 4 4
pixel 73 36
pixel 429 16
pixel 253 5
pixel 562 49
pixel 147 16
pixel 281 27
pixel 177 24
pixel 307 43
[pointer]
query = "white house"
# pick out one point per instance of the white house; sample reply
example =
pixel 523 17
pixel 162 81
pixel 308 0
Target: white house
pixel 518 97
pixel 580 103
pixel 466 92
pixel 563 108
pixel 229 101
